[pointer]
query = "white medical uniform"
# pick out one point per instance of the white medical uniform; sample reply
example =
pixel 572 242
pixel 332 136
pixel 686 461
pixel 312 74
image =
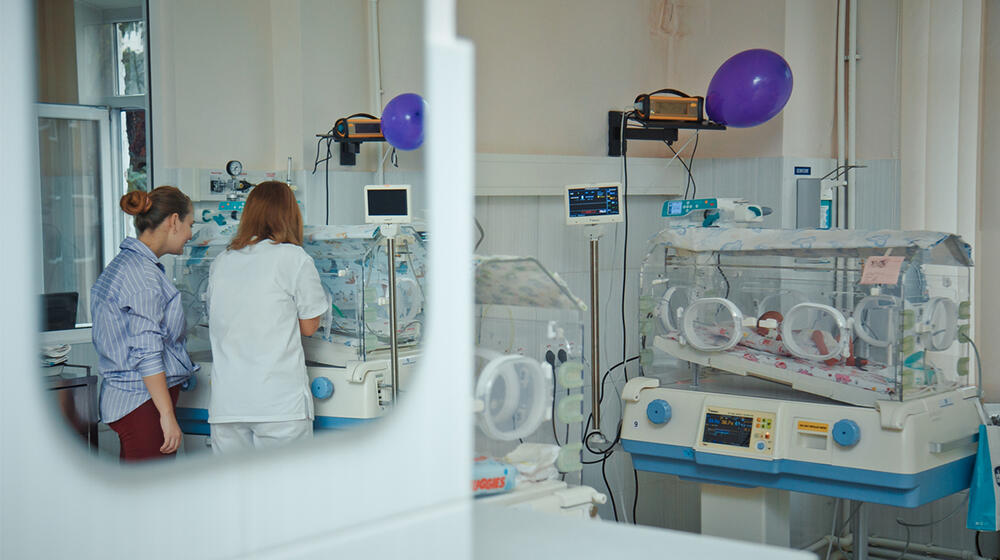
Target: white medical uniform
pixel 256 296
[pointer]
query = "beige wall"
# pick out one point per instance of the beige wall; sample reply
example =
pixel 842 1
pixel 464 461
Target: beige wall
pixel 56 44
pixel 548 71
pixel 256 80
pixel 878 80
pixel 212 69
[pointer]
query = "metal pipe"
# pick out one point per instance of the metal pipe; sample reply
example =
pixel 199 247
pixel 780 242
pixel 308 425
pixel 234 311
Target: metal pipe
pixel 859 526
pixel 390 243
pixel 881 546
pixel 850 217
pixel 835 219
pixel 595 328
pixel 921 548
pixel 374 39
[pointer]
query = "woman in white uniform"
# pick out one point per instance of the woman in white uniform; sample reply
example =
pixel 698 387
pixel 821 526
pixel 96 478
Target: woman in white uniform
pixel 263 294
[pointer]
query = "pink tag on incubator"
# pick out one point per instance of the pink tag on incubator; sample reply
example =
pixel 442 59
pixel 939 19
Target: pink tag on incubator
pixel 881 270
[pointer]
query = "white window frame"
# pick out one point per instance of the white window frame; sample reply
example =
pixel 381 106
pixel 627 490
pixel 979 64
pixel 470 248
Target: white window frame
pixel 112 222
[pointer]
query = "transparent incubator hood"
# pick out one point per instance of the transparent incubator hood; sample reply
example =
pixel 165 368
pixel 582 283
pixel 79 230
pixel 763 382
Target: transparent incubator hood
pixel 529 369
pixel 353 268
pixel 792 307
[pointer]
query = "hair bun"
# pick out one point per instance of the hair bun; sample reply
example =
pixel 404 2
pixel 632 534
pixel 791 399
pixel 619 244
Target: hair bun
pixel 136 202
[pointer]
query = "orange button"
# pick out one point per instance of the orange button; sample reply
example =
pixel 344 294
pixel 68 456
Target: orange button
pixel 767 436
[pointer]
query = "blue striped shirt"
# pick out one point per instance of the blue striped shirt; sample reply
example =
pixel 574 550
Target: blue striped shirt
pixel 138 329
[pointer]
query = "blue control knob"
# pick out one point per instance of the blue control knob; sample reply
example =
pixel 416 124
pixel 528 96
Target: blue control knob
pixel 658 411
pixel 322 388
pixel 846 433
pixel 761 445
pixel 189 384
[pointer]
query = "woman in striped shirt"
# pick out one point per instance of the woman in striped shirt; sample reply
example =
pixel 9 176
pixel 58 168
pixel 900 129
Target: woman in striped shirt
pixel 139 328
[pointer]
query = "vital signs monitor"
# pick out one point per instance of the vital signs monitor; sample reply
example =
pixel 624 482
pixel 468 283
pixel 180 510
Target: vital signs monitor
pixel 387 204
pixel 593 204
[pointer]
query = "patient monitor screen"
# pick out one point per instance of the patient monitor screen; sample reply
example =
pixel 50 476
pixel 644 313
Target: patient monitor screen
pixel 593 204
pixel 387 202
pixel 728 429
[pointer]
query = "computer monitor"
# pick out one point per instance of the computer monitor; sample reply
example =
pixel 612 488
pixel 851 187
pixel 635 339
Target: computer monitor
pixel 593 204
pixel 387 204
pixel 59 311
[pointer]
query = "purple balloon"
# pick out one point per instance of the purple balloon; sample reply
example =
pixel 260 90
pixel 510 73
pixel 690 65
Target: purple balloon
pixel 403 121
pixel 749 89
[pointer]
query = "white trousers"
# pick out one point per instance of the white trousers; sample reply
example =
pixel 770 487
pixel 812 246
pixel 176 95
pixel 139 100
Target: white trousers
pixel 231 437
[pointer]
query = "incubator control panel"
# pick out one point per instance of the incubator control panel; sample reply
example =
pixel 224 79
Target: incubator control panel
pixel 730 429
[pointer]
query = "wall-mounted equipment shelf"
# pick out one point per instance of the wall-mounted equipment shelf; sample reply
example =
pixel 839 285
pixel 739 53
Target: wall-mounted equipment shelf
pixel 665 131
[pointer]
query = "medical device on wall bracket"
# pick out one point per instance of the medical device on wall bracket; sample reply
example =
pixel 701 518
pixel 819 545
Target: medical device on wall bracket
pixel 591 205
pixel 716 211
pixel 660 115
pixel 350 132
pixel 674 106
pixel 234 187
pixel 832 196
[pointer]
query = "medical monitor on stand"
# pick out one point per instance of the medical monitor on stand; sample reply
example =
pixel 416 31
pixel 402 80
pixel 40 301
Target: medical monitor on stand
pixel 593 204
pixel 387 204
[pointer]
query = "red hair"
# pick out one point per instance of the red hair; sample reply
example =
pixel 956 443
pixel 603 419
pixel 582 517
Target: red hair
pixel 270 213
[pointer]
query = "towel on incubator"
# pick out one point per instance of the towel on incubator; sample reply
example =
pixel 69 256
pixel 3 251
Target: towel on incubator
pixel 534 462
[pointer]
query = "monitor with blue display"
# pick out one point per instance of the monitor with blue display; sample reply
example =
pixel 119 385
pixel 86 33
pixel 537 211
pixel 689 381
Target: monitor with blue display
pixel 593 204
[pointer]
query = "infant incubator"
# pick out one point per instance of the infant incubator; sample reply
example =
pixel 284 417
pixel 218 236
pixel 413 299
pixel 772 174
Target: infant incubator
pixel 795 307
pixel 348 357
pixel 822 361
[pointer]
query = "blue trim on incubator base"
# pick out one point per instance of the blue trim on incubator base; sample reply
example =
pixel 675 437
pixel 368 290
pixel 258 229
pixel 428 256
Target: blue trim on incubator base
pixel 338 423
pixel 195 421
pixel 903 490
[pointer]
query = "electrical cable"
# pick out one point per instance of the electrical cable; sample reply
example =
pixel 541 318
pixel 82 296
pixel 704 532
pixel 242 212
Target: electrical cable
pixel 687 166
pixel 694 150
pixel 604 475
pixel 907 525
pixel 833 527
pixel 328 137
pixel 718 266
pixel 635 499
pixel 327 181
pixel 482 233
pixel 979 363
pixel 854 510
pixel 624 259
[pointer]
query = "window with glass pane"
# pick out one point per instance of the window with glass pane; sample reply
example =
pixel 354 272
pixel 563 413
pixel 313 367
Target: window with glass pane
pixel 133 141
pixel 72 256
pixel 130 47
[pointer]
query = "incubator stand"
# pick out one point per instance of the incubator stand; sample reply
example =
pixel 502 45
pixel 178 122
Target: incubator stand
pixel 771 362
pixel 348 357
pixel 529 380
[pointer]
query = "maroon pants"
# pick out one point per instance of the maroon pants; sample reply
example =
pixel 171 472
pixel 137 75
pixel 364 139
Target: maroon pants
pixel 140 433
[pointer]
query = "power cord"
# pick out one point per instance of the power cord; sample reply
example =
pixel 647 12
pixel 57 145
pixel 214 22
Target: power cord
pixel 907 525
pixel 687 166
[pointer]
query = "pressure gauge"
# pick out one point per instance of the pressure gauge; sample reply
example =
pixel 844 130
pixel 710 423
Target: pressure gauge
pixel 234 168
